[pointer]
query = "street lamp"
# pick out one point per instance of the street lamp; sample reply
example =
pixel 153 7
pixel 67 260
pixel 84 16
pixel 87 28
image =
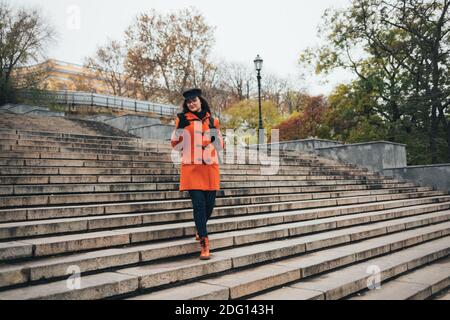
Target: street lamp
pixel 258 66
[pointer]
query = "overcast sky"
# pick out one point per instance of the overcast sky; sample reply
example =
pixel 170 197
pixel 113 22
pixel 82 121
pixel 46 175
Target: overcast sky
pixel 278 30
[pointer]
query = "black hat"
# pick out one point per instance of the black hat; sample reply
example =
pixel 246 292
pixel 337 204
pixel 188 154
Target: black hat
pixel 192 93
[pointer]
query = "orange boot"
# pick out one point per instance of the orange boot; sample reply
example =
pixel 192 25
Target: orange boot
pixel 197 237
pixel 204 244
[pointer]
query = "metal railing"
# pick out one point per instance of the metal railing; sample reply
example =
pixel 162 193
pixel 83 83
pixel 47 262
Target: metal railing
pixel 100 100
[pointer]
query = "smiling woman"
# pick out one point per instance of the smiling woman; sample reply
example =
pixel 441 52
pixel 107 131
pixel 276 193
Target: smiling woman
pixel 199 174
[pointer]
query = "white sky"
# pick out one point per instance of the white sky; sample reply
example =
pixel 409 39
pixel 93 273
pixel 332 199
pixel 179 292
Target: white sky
pixel 278 30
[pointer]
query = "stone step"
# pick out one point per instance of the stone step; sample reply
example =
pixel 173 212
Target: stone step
pixel 17 171
pixel 11 215
pixel 30 151
pixel 4 162
pixel 165 159
pixel 244 283
pixel 16 193
pixel 239 283
pixel 165 178
pixel 57 226
pixel 58 134
pixel 36 137
pixel 46 143
pixel 52 136
pixel 152 207
pixel 9 144
pixel 272 182
pixel 42 140
pixel 273 223
pixel 55 267
pixel 42 136
pixel 20 190
pixel 139 145
pixel 91 198
pixel 374 277
pixel 62 149
pixel 444 295
pixel 418 284
pixel 44 163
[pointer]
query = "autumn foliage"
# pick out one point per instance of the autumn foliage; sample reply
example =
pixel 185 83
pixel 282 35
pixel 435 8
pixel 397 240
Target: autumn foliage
pixel 306 123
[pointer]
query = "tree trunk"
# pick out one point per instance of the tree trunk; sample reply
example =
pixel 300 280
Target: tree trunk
pixel 432 135
pixel 446 126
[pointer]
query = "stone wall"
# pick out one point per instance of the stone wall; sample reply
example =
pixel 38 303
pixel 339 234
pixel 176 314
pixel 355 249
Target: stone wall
pixel 436 176
pixel 375 156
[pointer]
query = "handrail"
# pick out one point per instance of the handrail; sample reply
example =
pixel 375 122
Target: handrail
pixel 101 100
pixel 150 125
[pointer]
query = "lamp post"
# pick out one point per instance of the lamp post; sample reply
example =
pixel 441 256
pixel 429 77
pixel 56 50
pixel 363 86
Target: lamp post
pixel 258 66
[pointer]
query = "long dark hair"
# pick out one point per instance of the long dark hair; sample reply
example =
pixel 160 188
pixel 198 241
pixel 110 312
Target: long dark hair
pixel 205 105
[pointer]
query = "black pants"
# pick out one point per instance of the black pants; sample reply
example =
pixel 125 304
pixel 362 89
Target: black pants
pixel 203 203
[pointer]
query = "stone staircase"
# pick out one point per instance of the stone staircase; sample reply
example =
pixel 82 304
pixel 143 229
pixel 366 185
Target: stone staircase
pixel 109 208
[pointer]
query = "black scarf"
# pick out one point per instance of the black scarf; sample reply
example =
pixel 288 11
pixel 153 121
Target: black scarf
pixel 200 114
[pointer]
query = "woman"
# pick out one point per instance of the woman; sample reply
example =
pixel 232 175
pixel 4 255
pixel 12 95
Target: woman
pixel 199 174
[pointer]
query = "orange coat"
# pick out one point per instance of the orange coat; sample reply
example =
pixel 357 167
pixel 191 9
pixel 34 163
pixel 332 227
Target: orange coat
pixel 200 164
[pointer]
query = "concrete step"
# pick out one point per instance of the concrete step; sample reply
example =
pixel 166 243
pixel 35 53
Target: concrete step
pixel 166 159
pixel 317 161
pixel 250 281
pixel 273 181
pixel 62 149
pixel 184 205
pixel 47 143
pixel 58 134
pixel 95 140
pixel 443 296
pixel 417 284
pixel 154 177
pixel 306 172
pixel 52 136
pixel 318 192
pixel 91 198
pixel 54 267
pixel 55 226
pixel 158 274
pixel 138 145
pixel 37 189
pixel 118 235
pixel 92 139
pixel 162 158
pixel 283 169
pixel 8 166
pixel 42 136
pixel 412 280
pixel 285 157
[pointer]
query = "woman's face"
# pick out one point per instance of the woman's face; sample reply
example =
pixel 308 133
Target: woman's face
pixel 194 104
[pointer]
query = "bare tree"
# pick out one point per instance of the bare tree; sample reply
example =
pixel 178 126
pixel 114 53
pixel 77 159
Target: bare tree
pixel 24 36
pixel 108 65
pixel 273 88
pixel 172 51
pixel 239 80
